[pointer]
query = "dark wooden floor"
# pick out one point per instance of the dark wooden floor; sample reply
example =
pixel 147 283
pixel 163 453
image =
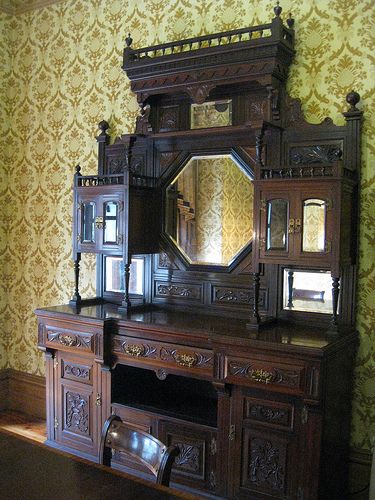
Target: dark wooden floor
pixel 35 429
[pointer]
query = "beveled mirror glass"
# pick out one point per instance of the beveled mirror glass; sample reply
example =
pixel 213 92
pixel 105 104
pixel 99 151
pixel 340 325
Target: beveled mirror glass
pixel 110 222
pixel 309 291
pixel 88 213
pixel 114 275
pixel 314 221
pixel 277 224
pixel 209 210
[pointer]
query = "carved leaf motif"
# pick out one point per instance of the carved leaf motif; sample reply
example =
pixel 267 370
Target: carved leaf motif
pixel 265 465
pixel 70 339
pixel 185 359
pixel 275 415
pixel 234 295
pixel 76 371
pixel 178 291
pixel 77 416
pixel 323 153
pixel 117 165
pixel 188 458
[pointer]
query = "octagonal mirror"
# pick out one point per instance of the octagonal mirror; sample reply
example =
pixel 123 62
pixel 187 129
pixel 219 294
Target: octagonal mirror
pixel 209 210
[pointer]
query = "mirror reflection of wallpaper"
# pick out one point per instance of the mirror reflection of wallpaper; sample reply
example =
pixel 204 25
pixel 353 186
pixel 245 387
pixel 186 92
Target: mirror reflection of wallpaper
pixel 66 76
pixel 314 225
pixel 222 205
pixel 211 114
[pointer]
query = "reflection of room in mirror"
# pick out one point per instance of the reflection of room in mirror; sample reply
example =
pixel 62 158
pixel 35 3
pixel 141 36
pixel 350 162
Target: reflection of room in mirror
pixel 309 291
pixel 210 210
pixel 211 114
pixel 114 275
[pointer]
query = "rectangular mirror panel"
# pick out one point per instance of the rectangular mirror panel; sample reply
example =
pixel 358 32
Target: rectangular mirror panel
pixel 277 224
pixel 114 275
pixel 314 222
pixel 211 114
pixel 309 291
pixel 88 211
pixel 110 222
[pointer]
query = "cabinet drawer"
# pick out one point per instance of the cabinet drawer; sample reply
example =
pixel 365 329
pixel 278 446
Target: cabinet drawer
pixel 69 340
pixel 163 356
pixel 277 376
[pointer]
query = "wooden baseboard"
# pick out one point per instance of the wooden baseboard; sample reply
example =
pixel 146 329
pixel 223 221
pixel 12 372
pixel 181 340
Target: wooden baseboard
pixel 4 389
pixel 23 392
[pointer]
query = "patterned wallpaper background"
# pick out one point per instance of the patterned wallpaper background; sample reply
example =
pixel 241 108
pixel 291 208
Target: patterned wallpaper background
pixel 60 75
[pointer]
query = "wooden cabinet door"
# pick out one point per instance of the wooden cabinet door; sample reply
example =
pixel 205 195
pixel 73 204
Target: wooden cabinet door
pixel 195 466
pixel 111 233
pixel 265 452
pixel 78 404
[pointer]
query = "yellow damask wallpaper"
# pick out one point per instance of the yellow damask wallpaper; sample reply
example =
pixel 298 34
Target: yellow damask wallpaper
pixel 60 75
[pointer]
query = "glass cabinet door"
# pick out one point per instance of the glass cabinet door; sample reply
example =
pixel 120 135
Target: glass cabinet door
pixel 277 224
pixel 110 220
pixel 88 215
pixel 314 225
pixel 274 239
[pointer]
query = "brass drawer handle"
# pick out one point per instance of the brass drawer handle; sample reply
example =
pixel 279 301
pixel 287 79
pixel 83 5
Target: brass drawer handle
pixel 134 350
pixel 67 340
pixel 184 359
pixel 260 375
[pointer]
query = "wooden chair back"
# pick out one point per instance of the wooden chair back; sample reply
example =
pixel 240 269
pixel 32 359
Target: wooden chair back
pixel 140 445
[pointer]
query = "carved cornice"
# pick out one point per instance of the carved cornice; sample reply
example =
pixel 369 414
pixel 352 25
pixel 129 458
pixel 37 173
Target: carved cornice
pixel 15 7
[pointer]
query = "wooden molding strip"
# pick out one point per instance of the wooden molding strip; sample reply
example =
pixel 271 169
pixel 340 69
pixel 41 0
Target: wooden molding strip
pixel 15 7
pixel 23 392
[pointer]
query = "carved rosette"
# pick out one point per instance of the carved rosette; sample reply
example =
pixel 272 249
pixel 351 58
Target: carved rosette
pixel 77 412
pixel 267 464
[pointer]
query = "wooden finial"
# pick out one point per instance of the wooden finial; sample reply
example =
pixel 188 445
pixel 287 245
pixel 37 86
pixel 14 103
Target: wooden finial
pixel 104 126
pixel 290 21
pixel 78 169
pixel 128 40
pixel 353 99
pixel 277 10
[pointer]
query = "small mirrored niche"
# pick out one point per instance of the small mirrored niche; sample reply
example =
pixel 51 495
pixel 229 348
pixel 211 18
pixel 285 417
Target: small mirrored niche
pixel 110 222
pixel 114 275
pixel 314 223
pixel 209 210
pixel 211 114
pixel 307 291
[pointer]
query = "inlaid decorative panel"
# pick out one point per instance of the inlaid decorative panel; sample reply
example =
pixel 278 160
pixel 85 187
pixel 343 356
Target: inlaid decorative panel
pixel 66 77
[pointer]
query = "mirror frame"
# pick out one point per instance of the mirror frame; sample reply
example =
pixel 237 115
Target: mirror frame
pixel 173 171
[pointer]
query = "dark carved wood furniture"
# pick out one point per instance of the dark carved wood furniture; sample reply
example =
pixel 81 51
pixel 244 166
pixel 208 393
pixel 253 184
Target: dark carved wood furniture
pixel 139 445
pixel 224 321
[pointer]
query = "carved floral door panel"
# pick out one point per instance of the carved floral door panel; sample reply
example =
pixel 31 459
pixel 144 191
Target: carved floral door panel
pixel 266 452
pixel 195 466
pixel 78 403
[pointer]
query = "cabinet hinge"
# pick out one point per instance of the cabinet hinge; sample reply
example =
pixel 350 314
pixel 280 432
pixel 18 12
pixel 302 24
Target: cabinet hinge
pixel 56 423
pixel 304 415
pixel 291 226
pixel 55 364
pixel 263 204
pixel 213 446
pixel 232 432
pixel 98 400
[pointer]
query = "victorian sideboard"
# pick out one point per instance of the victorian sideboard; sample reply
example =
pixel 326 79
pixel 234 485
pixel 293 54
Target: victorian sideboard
pixel 225 230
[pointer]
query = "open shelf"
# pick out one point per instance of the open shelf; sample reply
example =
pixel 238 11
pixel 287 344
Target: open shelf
pixel 178 397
